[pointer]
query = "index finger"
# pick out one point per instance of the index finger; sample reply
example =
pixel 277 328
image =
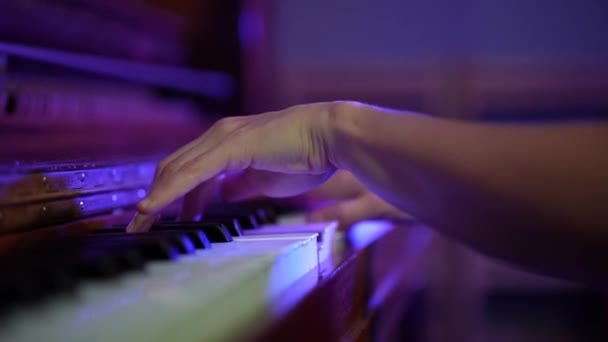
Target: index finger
pixel 174 183
pixel 171 186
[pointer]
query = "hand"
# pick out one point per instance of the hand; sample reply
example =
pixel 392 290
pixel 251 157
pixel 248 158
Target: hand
pixel 277 154
pixel 348 202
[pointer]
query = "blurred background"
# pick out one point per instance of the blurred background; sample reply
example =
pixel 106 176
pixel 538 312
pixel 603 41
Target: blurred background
pixel 473 58
pixel 499 60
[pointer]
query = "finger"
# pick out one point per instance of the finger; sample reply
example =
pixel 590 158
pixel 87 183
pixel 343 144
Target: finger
pixel 179 152
pixel 140 223
pixel 342 185
pixel 212 137
pixel 190 210
pixel 251 183
pixel 176 182
pixel 346 213
pixel 198 198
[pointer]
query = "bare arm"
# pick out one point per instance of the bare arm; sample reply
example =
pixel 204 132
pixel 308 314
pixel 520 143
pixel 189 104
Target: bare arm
pixel 531 194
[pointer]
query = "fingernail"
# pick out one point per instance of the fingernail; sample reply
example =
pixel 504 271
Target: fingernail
pixel 132 225
pixel 140 223
pixel 145 203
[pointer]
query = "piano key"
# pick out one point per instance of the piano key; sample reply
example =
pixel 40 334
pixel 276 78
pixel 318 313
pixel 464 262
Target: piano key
pixel 247 216
pixel 267 215
pixel 42 270
pixel 122 257
pixel 61 262
pixel 149 249
pixel 129 259
pixel 96 265
pixel 201 234
pixel 232 224
pixel 33 282
pixel 196 236
pixel 262 213
pixel 243 221
pixel 250 273
pixel 327 236
pixel 58 279
pixel 215 232
pixel 179 240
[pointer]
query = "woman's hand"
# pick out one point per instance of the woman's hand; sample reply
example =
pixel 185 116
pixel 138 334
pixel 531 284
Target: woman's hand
pixel 366 206
pixel 344 199
pixel 277 154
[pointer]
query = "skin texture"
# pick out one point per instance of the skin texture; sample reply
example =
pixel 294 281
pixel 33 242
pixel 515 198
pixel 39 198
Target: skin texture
pixel 531 194
pixel 344 199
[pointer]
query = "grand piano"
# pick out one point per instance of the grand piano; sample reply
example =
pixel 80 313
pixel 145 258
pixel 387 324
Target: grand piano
pixel 90 101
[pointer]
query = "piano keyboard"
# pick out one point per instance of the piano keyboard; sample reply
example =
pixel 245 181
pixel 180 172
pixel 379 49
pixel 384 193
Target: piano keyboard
pixel 212 280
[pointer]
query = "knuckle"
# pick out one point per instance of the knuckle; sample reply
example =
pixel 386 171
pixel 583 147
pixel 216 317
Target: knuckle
pixel 236 163
pixel 161 167
pixel 226 125
pixel 188 168
pixel 170 169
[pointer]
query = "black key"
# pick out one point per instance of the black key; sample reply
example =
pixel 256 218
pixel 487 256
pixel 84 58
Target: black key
pixel 202 235
pixel 246 216
pixel 34 273
pixel 178 239
pixel 128 259
pixel 33 282
pixel 107 260
pixel 157 250
pixel 79 260
pixel 59 279
pixel 266 215
pixel 215 232
pixel 196 236
pixel 149 248
pixel 25 285
pixel 96 265
pixel 210 232
pixel 199 238
pixel 233 224
pixel 241 221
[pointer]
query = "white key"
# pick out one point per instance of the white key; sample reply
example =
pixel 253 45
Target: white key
pixel 328 237
pixel 212 295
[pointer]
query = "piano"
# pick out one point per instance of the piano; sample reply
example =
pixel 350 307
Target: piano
pixel 81 132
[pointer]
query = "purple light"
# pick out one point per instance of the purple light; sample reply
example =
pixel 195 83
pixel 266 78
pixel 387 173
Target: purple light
pixel 251 28
pixel 207 82
pixel 366 232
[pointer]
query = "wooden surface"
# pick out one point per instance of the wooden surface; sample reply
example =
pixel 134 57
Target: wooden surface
pixel 365 296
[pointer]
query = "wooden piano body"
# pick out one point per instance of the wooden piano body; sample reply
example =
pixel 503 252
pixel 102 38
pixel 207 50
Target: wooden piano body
pixel 78 150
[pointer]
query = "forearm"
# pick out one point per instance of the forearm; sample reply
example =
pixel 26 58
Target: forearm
pixel 529 194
